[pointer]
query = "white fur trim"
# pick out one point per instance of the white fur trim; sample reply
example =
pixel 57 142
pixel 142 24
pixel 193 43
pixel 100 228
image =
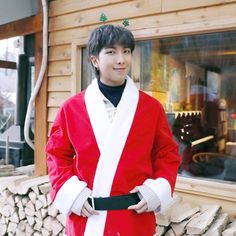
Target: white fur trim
pixel 97 112
pixel 67 194
pixel 162 189
pixel 111 139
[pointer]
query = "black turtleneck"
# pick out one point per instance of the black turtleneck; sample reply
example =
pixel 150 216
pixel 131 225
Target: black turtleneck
pixel 112 93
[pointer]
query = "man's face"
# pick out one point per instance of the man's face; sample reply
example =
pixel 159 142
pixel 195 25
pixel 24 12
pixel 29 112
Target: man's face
pixel 113 64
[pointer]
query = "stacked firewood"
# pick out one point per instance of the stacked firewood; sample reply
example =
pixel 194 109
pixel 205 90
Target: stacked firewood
pixel 26 209
pixel 182 218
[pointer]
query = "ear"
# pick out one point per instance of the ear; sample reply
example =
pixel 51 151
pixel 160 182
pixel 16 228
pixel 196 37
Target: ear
pixel 94 61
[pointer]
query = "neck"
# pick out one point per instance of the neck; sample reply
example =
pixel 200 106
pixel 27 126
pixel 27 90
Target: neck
pixel 112 84
pixel 112 93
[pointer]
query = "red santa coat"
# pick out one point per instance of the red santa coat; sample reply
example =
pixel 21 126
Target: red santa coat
pixel 85 149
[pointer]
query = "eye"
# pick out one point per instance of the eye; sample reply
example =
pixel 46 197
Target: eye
pixel 110 51
pixel 127 51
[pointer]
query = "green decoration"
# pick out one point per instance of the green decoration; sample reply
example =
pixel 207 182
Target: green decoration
pixel 125 22
pixel 103 17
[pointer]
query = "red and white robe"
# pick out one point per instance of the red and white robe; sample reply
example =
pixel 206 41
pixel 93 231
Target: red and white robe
pixel 85 149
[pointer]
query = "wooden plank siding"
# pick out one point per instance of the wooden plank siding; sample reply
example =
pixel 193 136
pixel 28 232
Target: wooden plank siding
pixel 175 23
pixel 68 6
pixel 131 9
pixel 59 83
pixel 60 53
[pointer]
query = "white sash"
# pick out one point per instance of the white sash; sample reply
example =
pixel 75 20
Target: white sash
pixel 111 139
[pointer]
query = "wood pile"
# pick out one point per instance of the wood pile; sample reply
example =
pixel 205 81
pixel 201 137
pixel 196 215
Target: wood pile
pixel 26 209
pixel 181 218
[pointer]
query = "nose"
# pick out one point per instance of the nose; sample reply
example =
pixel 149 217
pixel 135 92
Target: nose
pixel 120 58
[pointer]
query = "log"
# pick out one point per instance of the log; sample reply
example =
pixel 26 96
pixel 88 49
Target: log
pixel 21 226
pixel 32 196
pixel 44 212
pixel 43 199
pixel 218 225
pixel 49 199
pixel 29 230
pixel 38 224
pixel 21 214
pixel 38 205
pixel 182 212
pixel 48 223
pixel 56 227
pixel 180 228
pixel 160 230
pixel 7 210
pixel 45 232
pixel 13 182
pixel 11 227
pixel 163 218
pixel 6 193
pixel 38 214
pixel 61 219
pixel 52 211
pixel 35 189
pixel 45 188
pixel 199 225
pixel 20 232
pixel 230 229
pixel 14 218
pixel 30 220
pixel 24 186
pixel 3 229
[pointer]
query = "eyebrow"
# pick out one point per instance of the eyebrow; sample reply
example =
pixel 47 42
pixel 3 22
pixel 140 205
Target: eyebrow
pixel 114 47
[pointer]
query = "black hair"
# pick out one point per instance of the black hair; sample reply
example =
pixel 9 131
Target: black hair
pixel 107 36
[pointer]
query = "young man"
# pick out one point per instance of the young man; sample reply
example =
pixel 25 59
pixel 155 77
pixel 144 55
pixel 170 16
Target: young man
pixel 111 157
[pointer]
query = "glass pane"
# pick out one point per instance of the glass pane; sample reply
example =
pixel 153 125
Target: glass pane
pixel 9 51
pixel 194 77
pixel 87 72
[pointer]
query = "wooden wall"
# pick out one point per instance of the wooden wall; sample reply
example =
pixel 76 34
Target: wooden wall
pixel 71 21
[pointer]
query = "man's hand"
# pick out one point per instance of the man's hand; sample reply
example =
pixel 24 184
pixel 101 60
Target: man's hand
pixel 87 210
pixel 141 206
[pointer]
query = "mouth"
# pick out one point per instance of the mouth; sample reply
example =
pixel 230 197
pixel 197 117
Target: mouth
pixel 119 69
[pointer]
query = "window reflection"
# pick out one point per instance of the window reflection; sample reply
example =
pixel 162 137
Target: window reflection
pixel 194 79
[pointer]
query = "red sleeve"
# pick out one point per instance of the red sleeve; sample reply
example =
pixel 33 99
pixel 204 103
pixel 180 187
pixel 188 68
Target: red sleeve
pixel 60 153
pixel 165 155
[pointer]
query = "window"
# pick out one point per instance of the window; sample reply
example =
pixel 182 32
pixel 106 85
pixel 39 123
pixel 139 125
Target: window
pixel 194 77
pixel 9 50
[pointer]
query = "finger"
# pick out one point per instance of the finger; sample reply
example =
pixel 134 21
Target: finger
pixel 85 213
pixel 138 205
pixel 82 214
pixel 142 209
pixel 90 209
pixel 134 190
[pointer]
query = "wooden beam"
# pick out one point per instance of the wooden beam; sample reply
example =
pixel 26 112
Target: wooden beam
pixel 40 135
pixel 8 64
pixel 29 25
